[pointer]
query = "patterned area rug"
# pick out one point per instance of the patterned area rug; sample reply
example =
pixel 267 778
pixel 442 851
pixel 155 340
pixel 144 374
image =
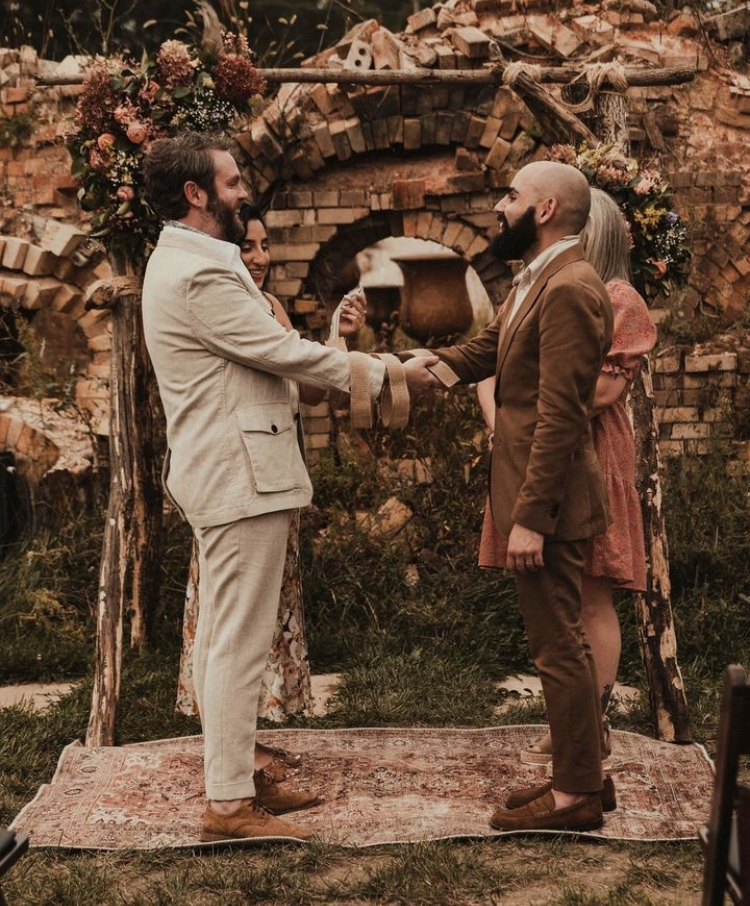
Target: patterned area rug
pixel 380 786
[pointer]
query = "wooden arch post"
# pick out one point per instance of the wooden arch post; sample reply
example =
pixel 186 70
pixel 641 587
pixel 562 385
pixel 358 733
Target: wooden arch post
pixel 129 567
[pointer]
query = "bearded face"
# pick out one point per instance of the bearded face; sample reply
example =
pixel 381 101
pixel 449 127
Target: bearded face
pixel 513 240
pixel 226 215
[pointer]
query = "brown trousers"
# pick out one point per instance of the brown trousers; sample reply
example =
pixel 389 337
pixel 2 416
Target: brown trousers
pixel 551 605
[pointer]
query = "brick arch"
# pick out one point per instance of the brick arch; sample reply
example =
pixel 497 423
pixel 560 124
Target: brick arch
pixel 53 276
pixel 450 230
pixel 333 164
pixel 34 451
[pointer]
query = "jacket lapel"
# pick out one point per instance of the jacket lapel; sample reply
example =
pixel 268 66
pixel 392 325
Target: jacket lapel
pixel 507 331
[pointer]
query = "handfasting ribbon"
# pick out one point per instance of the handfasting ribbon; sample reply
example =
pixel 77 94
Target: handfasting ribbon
pixel 394 406
pixel 105 293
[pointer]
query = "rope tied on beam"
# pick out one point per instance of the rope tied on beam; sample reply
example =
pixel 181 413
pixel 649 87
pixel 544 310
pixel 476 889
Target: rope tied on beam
pixel 595 76
pixel 512 71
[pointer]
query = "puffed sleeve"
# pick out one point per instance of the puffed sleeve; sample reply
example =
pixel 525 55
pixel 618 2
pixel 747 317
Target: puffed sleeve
pixel 634 332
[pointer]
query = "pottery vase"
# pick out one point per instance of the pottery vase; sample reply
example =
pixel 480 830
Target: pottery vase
pixel 435 300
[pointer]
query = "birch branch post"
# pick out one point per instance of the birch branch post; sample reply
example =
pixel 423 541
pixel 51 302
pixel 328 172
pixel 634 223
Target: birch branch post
pixel 130 549
pixel 653 610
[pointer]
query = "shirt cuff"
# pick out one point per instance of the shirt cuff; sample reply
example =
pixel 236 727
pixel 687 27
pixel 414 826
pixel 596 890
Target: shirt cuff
pixel 377 377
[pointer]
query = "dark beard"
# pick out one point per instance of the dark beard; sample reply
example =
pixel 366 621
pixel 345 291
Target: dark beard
pixel 514 241
pixel 231 226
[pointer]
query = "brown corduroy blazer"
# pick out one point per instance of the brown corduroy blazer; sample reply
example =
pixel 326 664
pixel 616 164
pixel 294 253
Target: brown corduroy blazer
pixel 544 471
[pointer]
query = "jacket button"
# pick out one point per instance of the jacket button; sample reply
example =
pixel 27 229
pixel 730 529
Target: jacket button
pixel 274 429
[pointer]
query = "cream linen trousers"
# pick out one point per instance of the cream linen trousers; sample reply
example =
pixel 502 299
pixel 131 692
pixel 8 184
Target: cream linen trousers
pixel 241 570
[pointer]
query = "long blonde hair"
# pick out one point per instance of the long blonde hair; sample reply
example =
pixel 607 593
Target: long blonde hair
pixel 605 238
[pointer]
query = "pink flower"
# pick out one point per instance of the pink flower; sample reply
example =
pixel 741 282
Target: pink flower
pixel 125 193
pixel 125 113
pixel 148 92
pixel 98 161
pixel 175 64
pixel 105 141
pixel 137 132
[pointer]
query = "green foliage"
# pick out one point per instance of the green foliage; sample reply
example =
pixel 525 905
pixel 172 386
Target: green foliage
pixel 16 130
pixel 423 585
pixel 47 598
pixel 707 512
pixel 56 28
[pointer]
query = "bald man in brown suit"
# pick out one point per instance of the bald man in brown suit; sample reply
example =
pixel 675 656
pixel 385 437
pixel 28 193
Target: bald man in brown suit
pixel 546 490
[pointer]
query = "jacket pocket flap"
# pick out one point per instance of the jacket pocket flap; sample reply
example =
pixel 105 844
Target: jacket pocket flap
pixel 270 418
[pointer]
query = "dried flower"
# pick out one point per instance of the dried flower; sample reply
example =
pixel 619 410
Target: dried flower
pixel 658 238
pixel 125 193
pixel 175 64
pixel 236 80
pixel 97 100
pixel 137 132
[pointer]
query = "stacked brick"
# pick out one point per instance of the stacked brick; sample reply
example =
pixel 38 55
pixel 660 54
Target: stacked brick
pixel 702 395
pixel 52 272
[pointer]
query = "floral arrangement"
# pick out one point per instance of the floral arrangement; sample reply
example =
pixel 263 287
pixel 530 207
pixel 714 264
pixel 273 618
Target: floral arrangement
pixel 659 252
pixel 125 106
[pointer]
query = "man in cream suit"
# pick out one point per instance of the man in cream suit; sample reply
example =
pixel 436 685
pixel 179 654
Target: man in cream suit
pixel 546 489
pixel 226 371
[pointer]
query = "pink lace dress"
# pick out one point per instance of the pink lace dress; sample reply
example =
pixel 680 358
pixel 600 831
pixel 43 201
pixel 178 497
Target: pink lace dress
pixel 619 554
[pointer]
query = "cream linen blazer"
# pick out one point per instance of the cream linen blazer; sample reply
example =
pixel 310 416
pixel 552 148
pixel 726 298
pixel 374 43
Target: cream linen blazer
pixel 225 369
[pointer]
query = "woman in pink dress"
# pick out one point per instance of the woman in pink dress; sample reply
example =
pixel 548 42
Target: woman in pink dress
pixel 616 559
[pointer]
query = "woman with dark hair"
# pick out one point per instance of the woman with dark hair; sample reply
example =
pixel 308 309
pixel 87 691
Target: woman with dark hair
pixel 286 682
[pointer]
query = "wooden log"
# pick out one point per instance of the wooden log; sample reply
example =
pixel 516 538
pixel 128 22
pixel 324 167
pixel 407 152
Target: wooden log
pixel 558 123
pixel 655 623
pixel 636 76
pixel 130 549
pixel 608 119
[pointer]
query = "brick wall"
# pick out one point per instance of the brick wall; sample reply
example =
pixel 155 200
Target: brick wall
pixel 702 396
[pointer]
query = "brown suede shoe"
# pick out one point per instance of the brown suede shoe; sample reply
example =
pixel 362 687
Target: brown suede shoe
pixel 519 798
pixel 276 799
pixel 287 758
pixel 541 814
pixel 249 820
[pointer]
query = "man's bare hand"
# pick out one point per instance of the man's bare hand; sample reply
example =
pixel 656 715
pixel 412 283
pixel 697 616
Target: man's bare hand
pixel 524 550
pixel 418 377
pixel 353 308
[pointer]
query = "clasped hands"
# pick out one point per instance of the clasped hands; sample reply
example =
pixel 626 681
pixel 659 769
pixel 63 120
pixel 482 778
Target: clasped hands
pixel 419 378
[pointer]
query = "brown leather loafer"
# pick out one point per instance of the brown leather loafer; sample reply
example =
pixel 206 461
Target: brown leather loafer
pixel 519 798
pixel 272 796
pixel 541 814
pixel 249 820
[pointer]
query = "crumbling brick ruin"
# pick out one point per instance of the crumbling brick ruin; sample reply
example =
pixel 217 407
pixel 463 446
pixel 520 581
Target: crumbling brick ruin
pixel 339 167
